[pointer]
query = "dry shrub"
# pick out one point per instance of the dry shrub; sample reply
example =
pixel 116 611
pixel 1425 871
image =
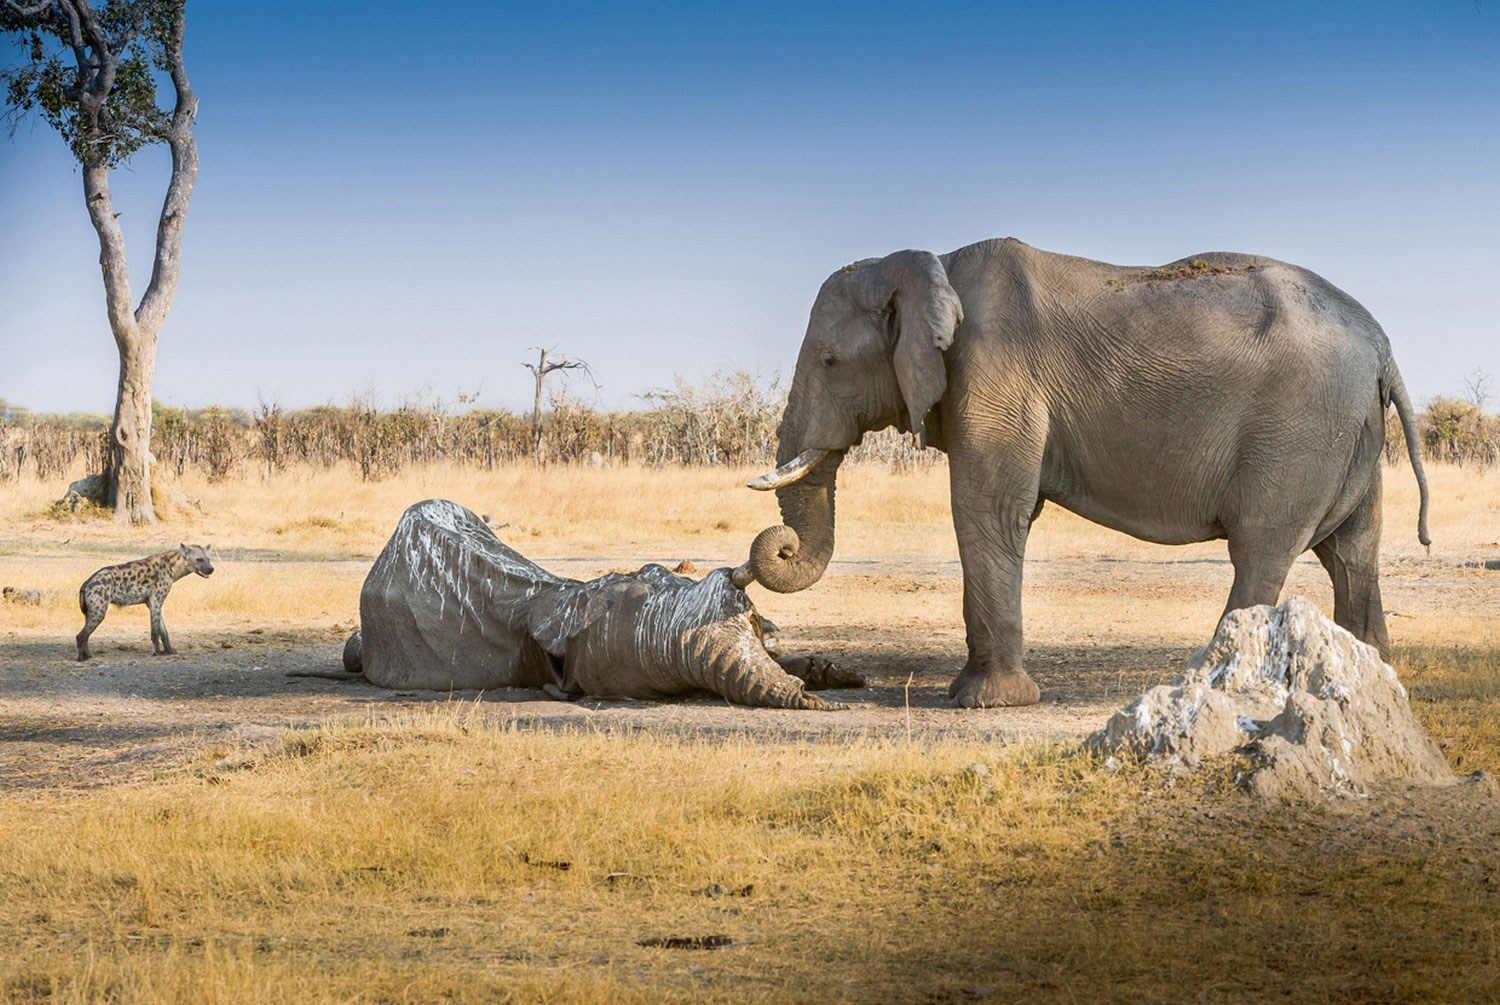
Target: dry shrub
pixel 1452 430
pixel 728 420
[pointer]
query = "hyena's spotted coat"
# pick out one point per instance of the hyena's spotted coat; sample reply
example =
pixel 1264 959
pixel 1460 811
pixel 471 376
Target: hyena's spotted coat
pixel 144 581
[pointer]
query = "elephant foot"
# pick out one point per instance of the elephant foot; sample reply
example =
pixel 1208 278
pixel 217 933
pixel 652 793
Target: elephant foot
pixel 818 674
pixel 556 693
pixel 993 689
pixel 817 703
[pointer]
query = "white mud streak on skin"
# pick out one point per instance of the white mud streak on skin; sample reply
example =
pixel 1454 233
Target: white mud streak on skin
pixel 1314 710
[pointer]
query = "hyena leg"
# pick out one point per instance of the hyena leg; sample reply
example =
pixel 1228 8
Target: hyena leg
pixel 93 613
pixel 160 641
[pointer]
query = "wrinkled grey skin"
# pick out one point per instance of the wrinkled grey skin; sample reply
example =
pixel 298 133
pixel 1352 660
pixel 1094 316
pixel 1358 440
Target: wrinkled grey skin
pixel 1223 396
pixel 447 606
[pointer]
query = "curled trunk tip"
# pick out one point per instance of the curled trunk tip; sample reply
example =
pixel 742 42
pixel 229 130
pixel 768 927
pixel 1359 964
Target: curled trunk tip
pixel 778 564
pixel 792 556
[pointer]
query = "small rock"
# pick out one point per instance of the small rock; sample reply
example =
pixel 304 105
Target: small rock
pixel 685 567
pixel 979 770
pixel 979 991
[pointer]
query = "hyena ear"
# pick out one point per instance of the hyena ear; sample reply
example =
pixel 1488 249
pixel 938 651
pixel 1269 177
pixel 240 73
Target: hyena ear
pixel 182 547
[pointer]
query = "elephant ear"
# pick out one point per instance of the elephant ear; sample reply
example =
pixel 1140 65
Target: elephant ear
pixel 926 310
pixel 559 616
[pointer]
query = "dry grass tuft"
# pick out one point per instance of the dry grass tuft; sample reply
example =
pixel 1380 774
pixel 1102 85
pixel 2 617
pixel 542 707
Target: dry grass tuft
pixel 419 859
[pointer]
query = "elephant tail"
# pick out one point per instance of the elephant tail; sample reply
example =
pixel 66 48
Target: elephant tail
pixel 1395 389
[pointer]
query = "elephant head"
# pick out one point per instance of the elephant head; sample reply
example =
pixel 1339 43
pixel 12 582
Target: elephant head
pixel 872 357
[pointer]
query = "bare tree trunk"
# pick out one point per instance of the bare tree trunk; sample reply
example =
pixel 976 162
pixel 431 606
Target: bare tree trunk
pixel 536 411
pixel 539 370
pixel 129 474
pixel 136 330
pixel 130 436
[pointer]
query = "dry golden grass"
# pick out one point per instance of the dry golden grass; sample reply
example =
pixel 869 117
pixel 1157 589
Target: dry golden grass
pixel 409 861
pixel 634 510
pixel 620 516
pixel 292 551
pixel 382 860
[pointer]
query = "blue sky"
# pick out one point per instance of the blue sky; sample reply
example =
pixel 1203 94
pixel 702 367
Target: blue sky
pixel 404 204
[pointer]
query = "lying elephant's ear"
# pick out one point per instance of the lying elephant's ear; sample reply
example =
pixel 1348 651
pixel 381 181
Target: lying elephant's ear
pixel 926 311
pixel 556 617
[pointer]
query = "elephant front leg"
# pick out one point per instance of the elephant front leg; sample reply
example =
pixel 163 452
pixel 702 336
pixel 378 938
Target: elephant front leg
pixel 992 548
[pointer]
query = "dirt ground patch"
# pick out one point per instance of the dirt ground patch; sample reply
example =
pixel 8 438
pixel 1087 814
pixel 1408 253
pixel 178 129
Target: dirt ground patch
pixel 896 619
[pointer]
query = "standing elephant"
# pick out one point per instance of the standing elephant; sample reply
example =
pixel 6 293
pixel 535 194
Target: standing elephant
pixel 1221 396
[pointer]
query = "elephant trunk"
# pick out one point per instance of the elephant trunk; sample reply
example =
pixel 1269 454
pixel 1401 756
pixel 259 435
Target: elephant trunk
pixel 793 556
pixel 747 675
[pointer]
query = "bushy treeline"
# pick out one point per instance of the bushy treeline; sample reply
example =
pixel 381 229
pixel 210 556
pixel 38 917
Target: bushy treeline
pixel 730 419
pixel 1453 430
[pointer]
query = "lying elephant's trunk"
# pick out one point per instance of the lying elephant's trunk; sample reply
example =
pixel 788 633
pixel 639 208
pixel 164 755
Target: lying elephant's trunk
pixel 793 556
pixel 747 674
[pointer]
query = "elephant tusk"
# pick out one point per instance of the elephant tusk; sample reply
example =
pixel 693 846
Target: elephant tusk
pixel 789 472
pixel 742 576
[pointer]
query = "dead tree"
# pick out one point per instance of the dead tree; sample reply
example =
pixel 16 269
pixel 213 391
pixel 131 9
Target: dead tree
pixel 90 76
pixel 547 361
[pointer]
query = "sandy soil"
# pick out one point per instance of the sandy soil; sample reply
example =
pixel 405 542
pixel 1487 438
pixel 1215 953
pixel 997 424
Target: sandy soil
pixel 894 618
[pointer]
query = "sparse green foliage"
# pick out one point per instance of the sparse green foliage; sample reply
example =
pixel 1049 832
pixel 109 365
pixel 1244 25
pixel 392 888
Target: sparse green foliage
pixel 62 64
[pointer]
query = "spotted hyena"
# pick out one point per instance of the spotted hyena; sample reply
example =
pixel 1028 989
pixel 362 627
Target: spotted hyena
pixel 144 581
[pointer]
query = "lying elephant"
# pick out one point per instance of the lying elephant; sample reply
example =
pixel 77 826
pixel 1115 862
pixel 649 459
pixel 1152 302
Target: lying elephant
pixel 447 606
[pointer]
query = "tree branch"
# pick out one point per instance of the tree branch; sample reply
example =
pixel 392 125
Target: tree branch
pixel 112 260
pixel 162 289
pixel 80 52
pixel 97 39
pixel 28 12
pixel 129 33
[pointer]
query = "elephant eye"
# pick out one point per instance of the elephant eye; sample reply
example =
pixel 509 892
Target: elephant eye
pixel 829 359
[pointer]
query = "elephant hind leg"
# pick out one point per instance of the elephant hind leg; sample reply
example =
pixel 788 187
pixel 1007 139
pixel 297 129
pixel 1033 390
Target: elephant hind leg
pixel 1351 554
